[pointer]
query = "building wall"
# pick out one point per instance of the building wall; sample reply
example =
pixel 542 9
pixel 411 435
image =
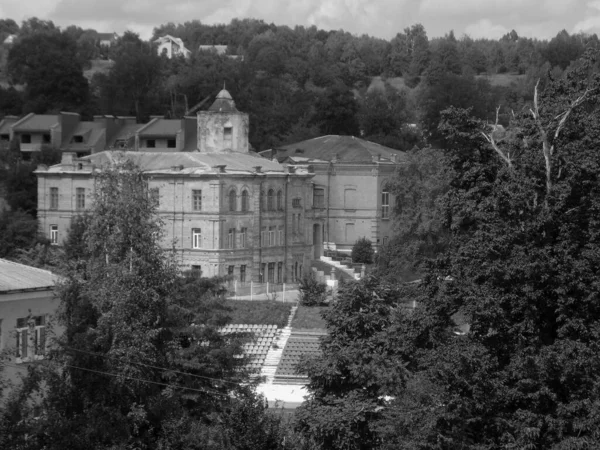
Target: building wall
pixel 211 136
pixel 215 219
pixel 352 205
pixel 18 305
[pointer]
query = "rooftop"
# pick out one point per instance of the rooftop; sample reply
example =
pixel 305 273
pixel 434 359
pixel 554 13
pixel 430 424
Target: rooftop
pixel 342 148
pixel 36 122
pixel 19 277
pixel 161 127
pixel 223 103
pixel 89 131
pixel 193 163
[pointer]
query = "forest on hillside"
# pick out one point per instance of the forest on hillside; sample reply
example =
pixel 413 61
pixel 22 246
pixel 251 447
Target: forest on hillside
pixel 296 83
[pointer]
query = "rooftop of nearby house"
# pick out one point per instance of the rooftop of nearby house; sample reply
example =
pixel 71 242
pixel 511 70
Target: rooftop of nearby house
pixel 161 127
pixel 125 133
pixel 334 147
pixel 107 36
pixel 190 163
pixel 220 49
pixel 36 122
pixel 6 123
pixel 15 277
pixel 89 133
pixel 223 103
pixel 168 37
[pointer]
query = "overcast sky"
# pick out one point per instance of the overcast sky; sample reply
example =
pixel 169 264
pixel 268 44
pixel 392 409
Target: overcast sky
pixel 382 18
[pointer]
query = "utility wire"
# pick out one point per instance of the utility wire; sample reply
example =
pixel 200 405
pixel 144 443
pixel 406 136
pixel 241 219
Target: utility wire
pixel 207 391
pixel 150 366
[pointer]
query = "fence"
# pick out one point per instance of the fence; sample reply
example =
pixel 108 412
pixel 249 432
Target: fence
pixel 262 291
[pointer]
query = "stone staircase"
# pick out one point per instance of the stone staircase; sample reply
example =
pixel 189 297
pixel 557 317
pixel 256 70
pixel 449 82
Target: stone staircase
pixel 274 354
pixel 342 270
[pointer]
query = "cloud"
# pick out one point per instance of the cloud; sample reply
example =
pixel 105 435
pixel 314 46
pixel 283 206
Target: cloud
pixel 484 28
pixel 591 24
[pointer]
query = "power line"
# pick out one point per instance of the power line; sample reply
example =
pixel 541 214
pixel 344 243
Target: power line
pixel 206 391
pixel 151 366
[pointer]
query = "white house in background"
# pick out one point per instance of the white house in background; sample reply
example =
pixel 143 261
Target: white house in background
pixel 10 40
pixel 173 46
pixel 107 39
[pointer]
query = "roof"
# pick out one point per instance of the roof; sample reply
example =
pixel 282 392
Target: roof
pixel 161 127
pixel 90 131
pixel 36 122
pixel 126 132
pixel 106 36
pixel 6 123
pixel 19 277
pixel 342 148
pixel 220 49
pixel 10 39
pixel 223 103
pixel 191 163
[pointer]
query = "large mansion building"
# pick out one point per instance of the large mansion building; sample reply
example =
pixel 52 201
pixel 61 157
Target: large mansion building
pixel 226 209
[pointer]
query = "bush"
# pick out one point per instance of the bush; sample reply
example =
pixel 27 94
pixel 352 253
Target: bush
pixel 312 292
pixel 363 252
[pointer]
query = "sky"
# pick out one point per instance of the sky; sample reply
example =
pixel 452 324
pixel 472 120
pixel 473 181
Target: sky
pixel 541 19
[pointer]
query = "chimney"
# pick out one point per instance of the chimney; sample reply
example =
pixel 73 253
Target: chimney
pixel 220 168
pixel 257 169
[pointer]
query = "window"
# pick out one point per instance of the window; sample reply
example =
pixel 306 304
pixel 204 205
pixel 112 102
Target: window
pixel 243 238
pixel 197 200
pixel 280 236
pixel 296 203
pixel 243 273
pixel 150 143
pixel 46 138
pixel 385 204
pixel 121 143
pixel 25 139
pixel 318 197
pixel 31 338
pixel 231 238
pixel 280 201
pixel 245 201
pixel 350 238
pixel 53 198
pixel 271 273
pixel 171 143
pixel 272 233
pixel 300 224
pixel 197 271
pixel 230 270
pixel 54 234
pixel 80 198
pixel 350 198
pixel 232 200
pixel 196 238
pixel 77 139
pixel 264 237
pixel 262 274
pixel 154 197
pixel 4 137
pixel 271 200
pixel 227 136
pixel 279 272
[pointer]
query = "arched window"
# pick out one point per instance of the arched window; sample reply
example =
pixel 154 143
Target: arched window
pixel 245 201
pixel 270 200
pixel 280 201
pixel 232 200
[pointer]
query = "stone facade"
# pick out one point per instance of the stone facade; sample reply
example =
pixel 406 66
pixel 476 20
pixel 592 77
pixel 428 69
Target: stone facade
pixel 226 211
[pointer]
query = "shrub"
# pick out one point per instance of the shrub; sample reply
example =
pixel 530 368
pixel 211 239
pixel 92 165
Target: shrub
pixel 362 252
pixel 312 292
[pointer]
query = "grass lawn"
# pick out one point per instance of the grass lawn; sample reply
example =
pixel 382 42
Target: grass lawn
pixel 309 317
pixel 259 312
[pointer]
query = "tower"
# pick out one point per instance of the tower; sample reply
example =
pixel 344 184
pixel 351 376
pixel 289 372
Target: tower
pixel 222 127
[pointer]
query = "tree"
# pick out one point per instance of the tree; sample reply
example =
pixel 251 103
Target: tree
pixel 362 251
pixel 140 355
pixel 519 275
pixel 312 292
pixel 336 111
pixel 348 383
pixel 47 63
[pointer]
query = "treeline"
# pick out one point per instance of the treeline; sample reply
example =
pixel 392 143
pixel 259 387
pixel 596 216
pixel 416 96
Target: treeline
pixel 295 83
